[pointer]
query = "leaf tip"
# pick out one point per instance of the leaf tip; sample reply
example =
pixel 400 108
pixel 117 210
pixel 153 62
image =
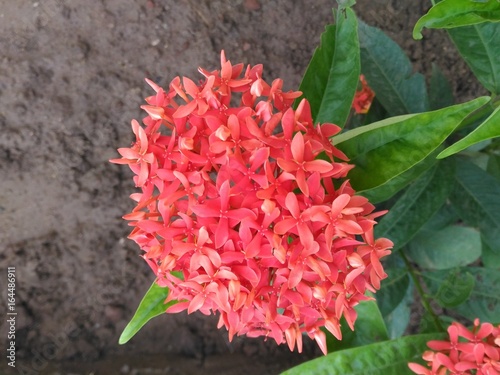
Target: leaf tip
pixel 417 32
pixel 123 338
pixel 443 154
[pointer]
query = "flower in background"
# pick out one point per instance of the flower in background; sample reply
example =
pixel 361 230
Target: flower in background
pixel 236 198
pixel 363 98
pixel 475 351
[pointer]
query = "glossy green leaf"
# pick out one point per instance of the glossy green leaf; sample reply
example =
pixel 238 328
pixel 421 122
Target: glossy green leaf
pixel 332 76
pixel 389 73
pixel 152 304
pixel 417 205
pixel 369 328
pixel 483 301
pixel 386 190
pixel 440 91
pixel 476 200
pixel 489 129
pixel 455 13
pixel 453 246
pixel 385 150
pixel 384 358
pixel 478 45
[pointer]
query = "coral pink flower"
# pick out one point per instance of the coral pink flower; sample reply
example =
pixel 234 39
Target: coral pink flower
pixel 237 200
pixel 475 351
pixel 363 98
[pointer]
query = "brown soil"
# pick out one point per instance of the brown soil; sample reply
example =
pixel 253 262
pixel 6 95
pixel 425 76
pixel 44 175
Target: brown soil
pixel 71 79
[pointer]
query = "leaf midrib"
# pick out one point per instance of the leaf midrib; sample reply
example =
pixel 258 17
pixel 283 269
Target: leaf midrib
pixel 398 94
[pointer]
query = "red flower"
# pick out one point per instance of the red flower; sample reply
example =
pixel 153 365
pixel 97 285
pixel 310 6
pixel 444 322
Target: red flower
pixel 475 351
pixel 363 98
pixel 236 198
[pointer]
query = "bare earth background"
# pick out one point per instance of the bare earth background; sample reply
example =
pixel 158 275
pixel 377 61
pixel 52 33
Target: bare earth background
pixel 71 79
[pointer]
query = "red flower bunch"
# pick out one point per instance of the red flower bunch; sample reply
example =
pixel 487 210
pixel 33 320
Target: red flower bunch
pixel 363 98
pixel 475 351
pixel 241 200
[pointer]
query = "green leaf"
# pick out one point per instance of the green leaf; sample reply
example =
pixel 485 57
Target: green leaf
pixel 152 304
pixel 384 358
pixel 453 246
pixel 478 45
pixel 385 150
pixel 455 289
pixel 393 288
pixel 417 205
pixel 346 3
pixel 484 299
pixel 490 257
pixel 493 166
pixel 489 129
pixel 455 13
pixel 428 323
pixel 332 77
pixel 440 92
pixel 446 216
pixel 476 200
pixel 450 288
pixel 391 187
pixel 395 296
pixel 369 328
pixel 389 73
pixel 397 321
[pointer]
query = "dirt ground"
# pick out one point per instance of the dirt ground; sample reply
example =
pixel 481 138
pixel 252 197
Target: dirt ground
pixel 71 79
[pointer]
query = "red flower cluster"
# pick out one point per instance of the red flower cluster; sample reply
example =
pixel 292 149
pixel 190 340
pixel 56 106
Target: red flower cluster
pixel 363 98
pixel 475 351
pixel 241 200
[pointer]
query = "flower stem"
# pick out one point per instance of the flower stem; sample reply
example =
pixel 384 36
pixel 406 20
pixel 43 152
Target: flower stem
pixel 420 290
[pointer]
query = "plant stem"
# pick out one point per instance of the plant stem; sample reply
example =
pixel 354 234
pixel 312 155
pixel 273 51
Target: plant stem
pixel 420 290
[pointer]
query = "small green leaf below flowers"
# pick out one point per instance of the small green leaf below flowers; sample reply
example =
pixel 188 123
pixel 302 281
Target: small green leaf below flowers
pixel 152 304
pixel 483 301
pixel 453 246
pixel 387 151
pixel 454 288
pixel 455 13
pixel 383 358
pixel 489 129
pixel 331 79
